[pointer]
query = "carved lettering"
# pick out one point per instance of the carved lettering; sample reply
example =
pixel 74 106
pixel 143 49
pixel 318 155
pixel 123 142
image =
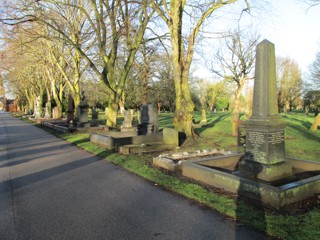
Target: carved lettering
pixel 257 141
pixel 276 137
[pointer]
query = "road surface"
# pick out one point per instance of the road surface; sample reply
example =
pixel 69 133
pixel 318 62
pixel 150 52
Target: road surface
pixel 50 189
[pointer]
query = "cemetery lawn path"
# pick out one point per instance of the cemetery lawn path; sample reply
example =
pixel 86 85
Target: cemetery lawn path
pixel 50 189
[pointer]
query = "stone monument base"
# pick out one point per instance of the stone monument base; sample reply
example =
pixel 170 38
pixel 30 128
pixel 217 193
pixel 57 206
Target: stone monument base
pixel 265 172
pixel 83 116
pixel 145 129
pixel 83 124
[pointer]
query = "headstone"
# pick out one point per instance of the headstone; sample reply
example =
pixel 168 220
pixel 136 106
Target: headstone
pixel 55 113
pixel 37 108
pixel 94 117
pixel 203 120
pixel 83 112
pixel 70 111
pixel 127 123
pixel 47 113
pixel 94 114
pixel 127 119
pixel 171 136
pixel 264 149
pixel 149 120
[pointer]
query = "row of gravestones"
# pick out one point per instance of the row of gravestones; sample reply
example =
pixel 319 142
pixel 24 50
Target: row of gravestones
pixel 148 117
pixel 148 120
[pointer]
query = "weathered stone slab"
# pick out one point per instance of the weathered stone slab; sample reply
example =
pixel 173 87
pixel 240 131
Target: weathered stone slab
pixel 167 163
pixel 265 194
pixel 171 136
pixel 145 148
pixel 114 140
pixel 103 140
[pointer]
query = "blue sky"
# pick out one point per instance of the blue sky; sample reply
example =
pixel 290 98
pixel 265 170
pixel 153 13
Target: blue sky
pixel 294 29
pixel 291 25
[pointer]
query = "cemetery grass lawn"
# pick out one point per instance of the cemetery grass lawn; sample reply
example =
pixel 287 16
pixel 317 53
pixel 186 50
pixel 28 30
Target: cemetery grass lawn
pixel 292 222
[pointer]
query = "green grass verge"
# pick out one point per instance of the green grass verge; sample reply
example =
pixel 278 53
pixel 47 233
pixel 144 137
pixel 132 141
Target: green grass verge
pixel 298 226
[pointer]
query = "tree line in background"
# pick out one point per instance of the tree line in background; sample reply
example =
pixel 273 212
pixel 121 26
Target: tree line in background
pixel 127 53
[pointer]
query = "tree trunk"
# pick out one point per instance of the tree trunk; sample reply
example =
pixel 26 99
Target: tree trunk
pixel 210 106
pixel 112 113
pixel 56 97
pixel 184 112
pixel 48 105
pixel 316 123
pixel 236 109
pixel 121 105
pixel 30 102
pixel 41 101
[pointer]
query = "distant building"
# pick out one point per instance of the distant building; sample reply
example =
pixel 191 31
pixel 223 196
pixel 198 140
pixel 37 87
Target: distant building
pixel 9 105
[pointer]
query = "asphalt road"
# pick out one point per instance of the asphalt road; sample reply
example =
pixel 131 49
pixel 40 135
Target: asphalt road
pixel 52 190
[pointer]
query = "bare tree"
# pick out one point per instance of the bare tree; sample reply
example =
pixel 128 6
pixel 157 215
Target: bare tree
pixel 290 84
pixel 173 13
pixel 315 72
pixel 315 77
pixel 113 26
pixel 236 60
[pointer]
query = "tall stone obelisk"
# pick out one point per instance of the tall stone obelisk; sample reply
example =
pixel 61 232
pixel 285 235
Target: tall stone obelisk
pixel 265 145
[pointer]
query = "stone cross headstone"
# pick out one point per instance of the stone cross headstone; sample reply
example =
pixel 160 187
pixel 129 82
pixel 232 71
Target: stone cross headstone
pixel 264 149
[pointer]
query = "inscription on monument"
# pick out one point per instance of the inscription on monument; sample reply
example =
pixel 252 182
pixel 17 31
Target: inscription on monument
pixel 257 141
pixel 276 137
